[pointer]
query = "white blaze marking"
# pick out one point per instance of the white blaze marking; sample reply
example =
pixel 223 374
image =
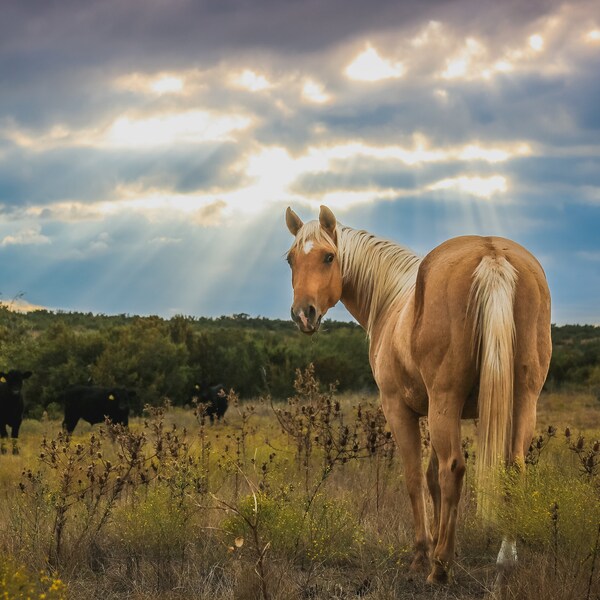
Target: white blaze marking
pixel 308 247
pixel 508 553
pixel 303 318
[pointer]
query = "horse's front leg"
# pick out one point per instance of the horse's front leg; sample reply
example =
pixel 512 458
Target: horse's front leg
pixel 404 425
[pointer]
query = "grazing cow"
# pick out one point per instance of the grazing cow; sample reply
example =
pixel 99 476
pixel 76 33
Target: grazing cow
pixel 94 404
pixel 212 398
pixel 11 401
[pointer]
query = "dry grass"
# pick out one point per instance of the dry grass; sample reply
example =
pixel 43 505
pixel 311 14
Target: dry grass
pixel 580 411
pixel 281 506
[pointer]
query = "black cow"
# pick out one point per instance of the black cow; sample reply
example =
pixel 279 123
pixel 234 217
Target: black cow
pixel 94 404
pixel 11 401
pixel 212 398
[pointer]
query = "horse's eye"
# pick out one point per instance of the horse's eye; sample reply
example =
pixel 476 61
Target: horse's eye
pixel 329 257
pixel 288 258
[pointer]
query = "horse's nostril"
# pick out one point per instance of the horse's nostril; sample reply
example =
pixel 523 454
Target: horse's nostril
pixel 312 313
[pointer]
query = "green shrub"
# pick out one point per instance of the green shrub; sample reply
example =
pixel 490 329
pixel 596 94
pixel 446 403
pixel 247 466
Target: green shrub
pixel 325 532
pixel 18 583
pixel 153 526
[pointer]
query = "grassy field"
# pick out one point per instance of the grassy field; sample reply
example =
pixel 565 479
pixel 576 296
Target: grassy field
pixel 285 501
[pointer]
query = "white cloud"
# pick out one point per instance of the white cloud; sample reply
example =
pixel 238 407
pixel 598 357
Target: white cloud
pixel 100 245
pixel 168 84
pixel 462 64
pixel 315 92
pixel 430 33
pixel 155 84
pixel 30 236
pixel 252 81
pixel 171 128
pixel 370 66
pixel 482 187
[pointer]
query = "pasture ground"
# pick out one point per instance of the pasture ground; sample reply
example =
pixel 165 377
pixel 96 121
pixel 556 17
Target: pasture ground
pixel 285 501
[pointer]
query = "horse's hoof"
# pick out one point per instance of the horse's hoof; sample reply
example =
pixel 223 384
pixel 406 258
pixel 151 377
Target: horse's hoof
pixel 420 562
pixel 439 575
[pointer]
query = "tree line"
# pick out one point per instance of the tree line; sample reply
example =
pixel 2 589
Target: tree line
pixel 164 358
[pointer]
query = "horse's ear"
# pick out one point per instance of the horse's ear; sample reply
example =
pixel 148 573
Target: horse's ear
pixel 293 221
pixel 328 221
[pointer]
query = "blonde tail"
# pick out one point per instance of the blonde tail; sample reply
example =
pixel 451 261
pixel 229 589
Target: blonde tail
pixel 492 296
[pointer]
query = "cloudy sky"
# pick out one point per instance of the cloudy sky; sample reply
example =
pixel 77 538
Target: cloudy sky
pixel 148 148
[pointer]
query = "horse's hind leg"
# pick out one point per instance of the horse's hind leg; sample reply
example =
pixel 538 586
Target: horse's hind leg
pixel 433 483
pixel 532 358
pixel 524 416
pixel 444 429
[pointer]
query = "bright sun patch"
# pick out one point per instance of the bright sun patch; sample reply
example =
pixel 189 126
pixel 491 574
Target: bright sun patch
pixel 167 84
pixel 370 66
pixel 593 36
pixel 252 81
pixel 536 42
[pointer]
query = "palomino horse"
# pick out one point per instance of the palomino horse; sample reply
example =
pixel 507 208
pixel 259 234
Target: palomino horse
pixel 463 332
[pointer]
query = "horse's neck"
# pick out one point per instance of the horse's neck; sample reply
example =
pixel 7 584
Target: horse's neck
pixel 350 301
pixel 368 299
pixel 371 323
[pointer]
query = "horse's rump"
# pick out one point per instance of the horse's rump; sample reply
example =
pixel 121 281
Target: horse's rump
pixel 468 292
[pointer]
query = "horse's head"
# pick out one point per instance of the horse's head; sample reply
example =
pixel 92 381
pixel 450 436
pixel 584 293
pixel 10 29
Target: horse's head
pixel 316 273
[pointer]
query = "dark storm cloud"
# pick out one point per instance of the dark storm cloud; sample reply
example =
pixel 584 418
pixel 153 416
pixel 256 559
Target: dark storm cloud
pixel 60 59
pixel 87 174
pixel 51 49
pixel 138 32
pixel 367 173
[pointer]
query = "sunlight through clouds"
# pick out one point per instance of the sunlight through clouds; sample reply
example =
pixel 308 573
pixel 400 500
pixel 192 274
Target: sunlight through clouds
pixel 492 155
pixel 252 81
pixel 272 172
pixel 593 36
pixel 167 85
pixel 482 187
pixel 432 32
pixel 163 142
pixel 536 42
pixel 461 65
pixel 159 84
pixel 193 126
pixel 315 92
pixel 370 66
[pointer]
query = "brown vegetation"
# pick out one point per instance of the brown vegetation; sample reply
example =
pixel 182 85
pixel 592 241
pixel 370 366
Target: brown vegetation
pixel 294 501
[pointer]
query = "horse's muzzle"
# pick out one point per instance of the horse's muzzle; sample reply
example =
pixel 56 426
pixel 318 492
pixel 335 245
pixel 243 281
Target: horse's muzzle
pixel 308 319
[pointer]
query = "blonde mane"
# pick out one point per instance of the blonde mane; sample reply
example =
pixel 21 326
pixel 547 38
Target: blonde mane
pixel 378 270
